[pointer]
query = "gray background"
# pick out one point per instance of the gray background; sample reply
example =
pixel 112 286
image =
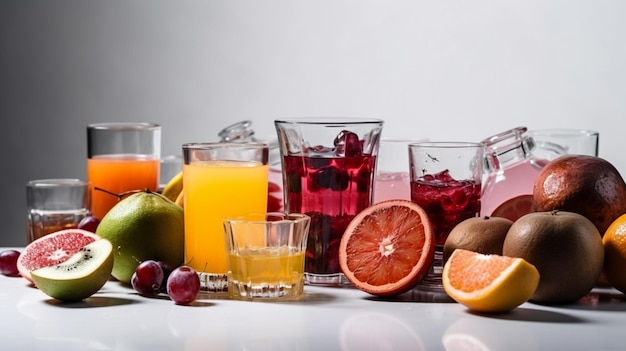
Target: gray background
pixel 461 70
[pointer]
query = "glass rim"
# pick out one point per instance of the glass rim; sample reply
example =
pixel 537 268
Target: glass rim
pixel 224 145
pixel 55 182
pixel 447 144
pixel 329 120
pixel 562 132
pixel 404 140
pixel 286 218
pixel 124 126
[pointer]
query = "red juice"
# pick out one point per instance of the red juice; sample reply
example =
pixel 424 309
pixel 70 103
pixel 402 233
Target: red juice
pixel 446 201
pixel 331 190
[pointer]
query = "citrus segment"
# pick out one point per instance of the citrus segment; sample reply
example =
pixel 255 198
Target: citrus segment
pixel 614 242
pixel 515 207
pixel 52 249
pixel 387 248
pixel 489 283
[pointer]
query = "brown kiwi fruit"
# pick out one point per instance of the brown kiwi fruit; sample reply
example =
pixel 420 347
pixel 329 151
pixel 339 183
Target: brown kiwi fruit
pixel 479 234
pixel 565 247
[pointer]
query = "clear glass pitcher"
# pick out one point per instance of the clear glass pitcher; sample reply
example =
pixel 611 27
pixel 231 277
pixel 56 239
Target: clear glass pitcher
pixel 242 131
pixel 510 173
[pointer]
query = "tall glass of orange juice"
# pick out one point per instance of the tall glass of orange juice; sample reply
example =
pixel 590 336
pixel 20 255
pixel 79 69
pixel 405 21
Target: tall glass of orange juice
pixel 220 180
pixel 121 157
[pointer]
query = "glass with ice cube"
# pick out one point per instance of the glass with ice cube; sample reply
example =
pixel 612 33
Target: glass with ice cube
pixel 328 174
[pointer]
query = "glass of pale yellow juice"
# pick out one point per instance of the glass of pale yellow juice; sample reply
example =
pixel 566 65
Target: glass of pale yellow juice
pixel 220 180
pixel 266 255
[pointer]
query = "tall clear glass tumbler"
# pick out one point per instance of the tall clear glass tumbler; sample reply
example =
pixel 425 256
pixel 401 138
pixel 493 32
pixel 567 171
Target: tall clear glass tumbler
pixel 221 180
pixel 328 174
pixel 446 182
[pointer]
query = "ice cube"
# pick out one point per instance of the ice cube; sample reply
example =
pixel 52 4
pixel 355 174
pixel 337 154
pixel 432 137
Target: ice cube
pixel 348 144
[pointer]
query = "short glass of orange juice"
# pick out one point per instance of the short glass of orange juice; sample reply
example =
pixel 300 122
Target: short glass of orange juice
pixel 121 157
pixel 266 255
pixel 220 180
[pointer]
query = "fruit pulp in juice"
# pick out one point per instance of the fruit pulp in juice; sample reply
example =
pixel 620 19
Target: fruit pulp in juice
pixel 392 185
pixel 41 222
pixel 331 190
pixel 213 191
pixel 446 201
pixel 277 268
pixel 117 174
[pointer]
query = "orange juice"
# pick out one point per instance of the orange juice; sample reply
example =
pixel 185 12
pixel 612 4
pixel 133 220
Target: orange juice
pixel 117 174
pixel 214 190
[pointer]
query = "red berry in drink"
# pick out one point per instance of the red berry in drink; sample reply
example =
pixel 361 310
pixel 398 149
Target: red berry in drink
pixel 333 178
pixel 348 144
pixel 147 278
pixel 183 285
pixel 89 223
pixel 8 262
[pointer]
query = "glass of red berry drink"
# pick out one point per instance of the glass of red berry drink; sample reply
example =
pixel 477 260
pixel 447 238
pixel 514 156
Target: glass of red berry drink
pixel 328 174
pixel 446 182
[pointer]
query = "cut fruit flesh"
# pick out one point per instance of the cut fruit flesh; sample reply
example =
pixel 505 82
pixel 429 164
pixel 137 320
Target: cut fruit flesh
pixel 387 248
pixel 489 283
pixel 515 208
pixel 80 276
pixel 52 249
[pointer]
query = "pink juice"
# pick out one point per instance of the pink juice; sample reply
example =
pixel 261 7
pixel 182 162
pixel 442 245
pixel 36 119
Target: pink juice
pixel 392 185
pixel 518 179
pixel 331 190
pixel 446 201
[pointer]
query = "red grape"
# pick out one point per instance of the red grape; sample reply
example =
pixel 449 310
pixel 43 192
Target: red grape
pixel 147 278
pixel 89 223
pixel 167 270
pixel 8 262
pixel 183 285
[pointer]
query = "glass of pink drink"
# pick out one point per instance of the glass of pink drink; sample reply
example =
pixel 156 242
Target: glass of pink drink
pixel 445 181
pixel 328 174
pixel 392 171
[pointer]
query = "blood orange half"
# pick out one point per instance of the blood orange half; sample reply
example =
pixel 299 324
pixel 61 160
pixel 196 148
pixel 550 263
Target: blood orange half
pixel 52 249
pixel 387 248
pixel 515 207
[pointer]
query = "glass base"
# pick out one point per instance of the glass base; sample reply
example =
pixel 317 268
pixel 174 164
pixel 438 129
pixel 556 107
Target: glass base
pixel 330 279
pixel 432 281
pixel 213 283
pixel 284 290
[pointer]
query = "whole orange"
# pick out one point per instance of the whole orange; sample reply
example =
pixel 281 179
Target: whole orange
pixel 614 242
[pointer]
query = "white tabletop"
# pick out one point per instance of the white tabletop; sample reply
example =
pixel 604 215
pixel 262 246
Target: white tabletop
pixel 346 319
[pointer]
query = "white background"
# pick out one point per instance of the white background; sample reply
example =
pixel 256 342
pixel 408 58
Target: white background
pixel 455 70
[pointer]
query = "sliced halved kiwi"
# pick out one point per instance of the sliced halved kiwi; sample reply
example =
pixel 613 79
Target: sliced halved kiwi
pixel 81 276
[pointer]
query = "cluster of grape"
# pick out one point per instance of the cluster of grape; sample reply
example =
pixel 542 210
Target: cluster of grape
pixel 151 278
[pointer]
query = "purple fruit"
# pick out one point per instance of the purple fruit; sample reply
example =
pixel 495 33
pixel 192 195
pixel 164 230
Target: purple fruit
pixel 183 285
pixel 147 278
pixel 8 262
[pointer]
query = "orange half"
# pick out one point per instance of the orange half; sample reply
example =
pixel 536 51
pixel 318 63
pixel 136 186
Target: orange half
pixel 387 248
pixel 489 283
pixel 515 208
